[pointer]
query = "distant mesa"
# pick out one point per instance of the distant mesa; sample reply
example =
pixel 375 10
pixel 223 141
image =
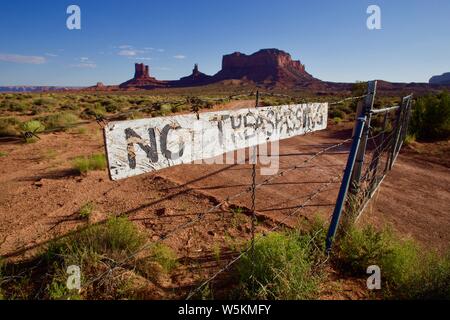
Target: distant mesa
pixel 267 66
pixel 443 79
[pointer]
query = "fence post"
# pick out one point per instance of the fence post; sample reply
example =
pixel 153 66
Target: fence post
pixel 406 116
pixel 365 111
pixel 360 124
pixel 398 130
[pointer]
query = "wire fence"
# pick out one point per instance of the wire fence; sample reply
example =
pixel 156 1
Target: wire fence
pixel 374 146
pixel 252 189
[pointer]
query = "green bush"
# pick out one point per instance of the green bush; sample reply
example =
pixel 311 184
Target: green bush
pixel 94 111
pixel 9 127
pixel 95 249
pixel 281 267
pixel 34 126
pixel 407 272
pixel 86 210
pixel 164 256
pixel 165 109
pixel 431 117
pixel 335 113
pixel 85 164
pixel 18 106
pixel 117 238
pixel 59 121
pixel 337 120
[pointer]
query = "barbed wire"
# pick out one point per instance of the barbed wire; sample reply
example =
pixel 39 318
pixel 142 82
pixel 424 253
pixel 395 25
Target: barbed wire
pixel 200 216
pixel 102 120
pixel 262 235
pixel 347 99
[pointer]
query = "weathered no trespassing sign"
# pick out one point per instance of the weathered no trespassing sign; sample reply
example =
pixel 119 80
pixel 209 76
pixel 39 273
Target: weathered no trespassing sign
pixel 138 146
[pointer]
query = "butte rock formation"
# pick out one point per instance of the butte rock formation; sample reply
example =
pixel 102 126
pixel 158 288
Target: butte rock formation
pixel 195 79
pixel 142 79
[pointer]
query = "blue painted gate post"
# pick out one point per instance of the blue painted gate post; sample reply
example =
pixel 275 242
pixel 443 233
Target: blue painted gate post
pixel 345 183
pixel 357 151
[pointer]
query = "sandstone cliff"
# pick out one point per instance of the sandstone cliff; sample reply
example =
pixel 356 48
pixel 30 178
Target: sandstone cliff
pixel 267 66
pixel 142 79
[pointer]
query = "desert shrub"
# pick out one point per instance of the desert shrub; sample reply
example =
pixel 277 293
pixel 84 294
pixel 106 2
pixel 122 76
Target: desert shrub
pixel 165 109
pixel 97 110
pixel 410 138
pixel 406 270
pixel 86 210
pixel 59 121
pixel 47 103
pixel 34 126
pixel 115 240
pixel 197 104
pixel 337 120
pixel 164 256
pixel 9 127
pixel 178 108
pixel 85 164
pixel 72 106
pixel 94 249
pixel 431 117
pixel 118 236
pixel 110 106
pixel 16 106
pixel 281 267
pixel 345 108
pixel 335 113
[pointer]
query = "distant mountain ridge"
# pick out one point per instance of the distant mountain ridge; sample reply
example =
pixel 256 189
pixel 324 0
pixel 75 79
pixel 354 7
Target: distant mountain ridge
pixel 36 88
pixel 443 79
pixel 267 68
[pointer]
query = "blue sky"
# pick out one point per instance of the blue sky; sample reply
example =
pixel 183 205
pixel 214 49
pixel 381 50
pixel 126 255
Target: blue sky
pixel 329 37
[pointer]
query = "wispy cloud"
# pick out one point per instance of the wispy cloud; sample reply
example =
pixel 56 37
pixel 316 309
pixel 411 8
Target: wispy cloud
pixel 84 62
pixel 127 53
pixel 51 55
pixel 143 58
pixel 17 58
pixel 133 52
pixel 179 56
pixel 84 65
pixel 125 46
